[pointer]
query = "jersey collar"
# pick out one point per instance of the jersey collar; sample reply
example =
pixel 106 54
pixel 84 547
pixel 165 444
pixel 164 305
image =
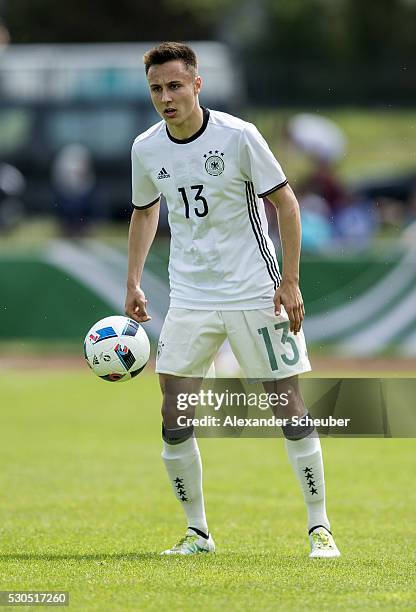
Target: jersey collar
pixel 197 134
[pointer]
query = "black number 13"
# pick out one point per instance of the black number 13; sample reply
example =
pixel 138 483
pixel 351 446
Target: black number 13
pixel 197 196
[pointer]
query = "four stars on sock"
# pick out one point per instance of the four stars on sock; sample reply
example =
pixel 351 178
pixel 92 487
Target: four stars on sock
pixel 180 488
pixel 310 480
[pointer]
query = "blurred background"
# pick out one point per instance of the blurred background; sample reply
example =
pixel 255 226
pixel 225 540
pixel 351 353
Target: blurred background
pixel 330 84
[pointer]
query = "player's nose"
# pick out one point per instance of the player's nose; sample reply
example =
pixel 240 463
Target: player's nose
pixel 166 96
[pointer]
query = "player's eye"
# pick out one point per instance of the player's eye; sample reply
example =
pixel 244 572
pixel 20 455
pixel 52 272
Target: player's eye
pixel 175 86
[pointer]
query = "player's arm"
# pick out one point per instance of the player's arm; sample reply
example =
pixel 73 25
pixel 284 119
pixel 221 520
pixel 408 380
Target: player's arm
pixel 288 293
pixel 143 226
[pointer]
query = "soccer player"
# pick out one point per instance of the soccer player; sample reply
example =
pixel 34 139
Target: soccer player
pixel 214 169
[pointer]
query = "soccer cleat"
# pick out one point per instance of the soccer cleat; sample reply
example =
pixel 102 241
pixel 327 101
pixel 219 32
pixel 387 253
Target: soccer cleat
pixel 322 544
pixel 191 544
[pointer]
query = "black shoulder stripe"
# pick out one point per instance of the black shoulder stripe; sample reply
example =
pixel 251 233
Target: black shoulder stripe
pixel 257 235
pixel 269 191
pixel 263 238
pixel 269 261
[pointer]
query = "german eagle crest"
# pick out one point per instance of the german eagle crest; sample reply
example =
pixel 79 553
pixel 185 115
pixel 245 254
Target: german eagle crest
pixel 214 163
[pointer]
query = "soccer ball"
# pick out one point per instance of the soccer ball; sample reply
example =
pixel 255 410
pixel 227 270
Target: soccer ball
pixel 116 348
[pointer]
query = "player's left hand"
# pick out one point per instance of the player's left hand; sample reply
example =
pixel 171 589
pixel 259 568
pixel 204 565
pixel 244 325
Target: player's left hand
pixel 289 296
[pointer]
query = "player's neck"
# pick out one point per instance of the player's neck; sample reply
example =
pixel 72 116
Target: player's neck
pixel 189 127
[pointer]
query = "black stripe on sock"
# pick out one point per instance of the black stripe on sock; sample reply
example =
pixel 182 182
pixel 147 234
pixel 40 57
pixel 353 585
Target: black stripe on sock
pixel 316 527
pixel 199 532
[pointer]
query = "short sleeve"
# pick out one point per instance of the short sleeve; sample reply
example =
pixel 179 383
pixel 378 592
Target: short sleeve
pixel 258 163
pixel 144 193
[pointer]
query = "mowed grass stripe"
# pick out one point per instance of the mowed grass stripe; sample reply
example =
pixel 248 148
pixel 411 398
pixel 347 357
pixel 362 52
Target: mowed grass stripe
pixel 86 506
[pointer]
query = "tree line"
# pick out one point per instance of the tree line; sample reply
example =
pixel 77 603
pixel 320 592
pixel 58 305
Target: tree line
pixel 292 51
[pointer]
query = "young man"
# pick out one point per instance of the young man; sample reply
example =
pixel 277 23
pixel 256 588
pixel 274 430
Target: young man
pixel 213 170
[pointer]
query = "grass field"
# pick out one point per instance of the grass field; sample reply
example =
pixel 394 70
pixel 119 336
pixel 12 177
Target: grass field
pixel 86 506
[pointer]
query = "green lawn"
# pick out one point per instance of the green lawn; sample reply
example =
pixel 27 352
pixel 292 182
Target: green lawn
pixel 86 506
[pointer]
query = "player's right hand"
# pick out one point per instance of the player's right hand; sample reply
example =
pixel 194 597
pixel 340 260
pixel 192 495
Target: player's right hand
pixel 135 306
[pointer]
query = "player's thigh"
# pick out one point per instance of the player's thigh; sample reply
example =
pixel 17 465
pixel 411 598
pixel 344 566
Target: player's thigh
pixel 264 345
pixel 189 341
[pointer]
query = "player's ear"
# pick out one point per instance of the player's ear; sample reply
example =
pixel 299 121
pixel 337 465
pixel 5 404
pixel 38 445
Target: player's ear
pixel 197 85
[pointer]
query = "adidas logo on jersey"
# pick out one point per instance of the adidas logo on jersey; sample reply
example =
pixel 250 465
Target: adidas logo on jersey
pixel 163 174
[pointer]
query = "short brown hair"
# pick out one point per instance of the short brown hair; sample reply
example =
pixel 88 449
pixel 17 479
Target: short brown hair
pixel 168 51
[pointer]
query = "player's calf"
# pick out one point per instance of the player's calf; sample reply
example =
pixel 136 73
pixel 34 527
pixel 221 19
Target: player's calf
pixel 181 456
pixel 305 455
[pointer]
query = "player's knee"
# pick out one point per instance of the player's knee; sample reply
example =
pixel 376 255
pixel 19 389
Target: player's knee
pixel 176 435
pixel 300 429
pixel 169 403
pixel 172 432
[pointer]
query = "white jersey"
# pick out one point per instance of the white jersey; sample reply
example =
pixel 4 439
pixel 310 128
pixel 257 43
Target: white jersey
pixel 221 257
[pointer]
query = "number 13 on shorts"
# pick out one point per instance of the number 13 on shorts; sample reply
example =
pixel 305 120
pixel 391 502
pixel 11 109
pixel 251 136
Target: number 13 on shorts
pixel 290 356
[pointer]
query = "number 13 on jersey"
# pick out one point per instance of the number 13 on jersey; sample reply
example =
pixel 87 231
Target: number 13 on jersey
pixel 200 210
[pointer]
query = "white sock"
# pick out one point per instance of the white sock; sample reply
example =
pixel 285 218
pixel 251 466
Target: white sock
pixel 184 468
pixel 306 458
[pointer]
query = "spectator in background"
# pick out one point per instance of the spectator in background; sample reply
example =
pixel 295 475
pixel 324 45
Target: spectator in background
pixel 330 215
pixel 317 231
pixel 12 188
pixel 409 233
pixel 4 36
pixel 74 186
pixel 325 144
pixel 324 182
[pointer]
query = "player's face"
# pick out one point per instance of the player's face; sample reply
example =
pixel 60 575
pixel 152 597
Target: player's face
pixel 174 89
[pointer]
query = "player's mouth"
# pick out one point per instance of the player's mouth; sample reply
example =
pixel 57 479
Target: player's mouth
pixel 170 112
